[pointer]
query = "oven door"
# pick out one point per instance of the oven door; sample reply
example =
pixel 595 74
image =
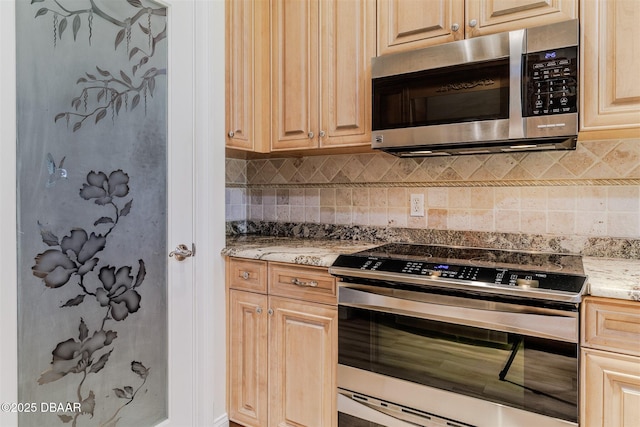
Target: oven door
pixel 401 346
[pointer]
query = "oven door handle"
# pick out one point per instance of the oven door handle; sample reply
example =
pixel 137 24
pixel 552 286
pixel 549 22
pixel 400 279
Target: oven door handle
pixel 549 326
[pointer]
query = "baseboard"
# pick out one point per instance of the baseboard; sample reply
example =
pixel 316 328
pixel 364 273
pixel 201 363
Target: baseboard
pixel 221 421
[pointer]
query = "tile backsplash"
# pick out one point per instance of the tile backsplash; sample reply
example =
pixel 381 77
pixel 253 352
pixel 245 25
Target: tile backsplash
pixel 593 191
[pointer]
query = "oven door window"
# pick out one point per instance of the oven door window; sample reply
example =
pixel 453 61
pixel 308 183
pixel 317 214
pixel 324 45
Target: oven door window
pixel 443 96
pixel 538 375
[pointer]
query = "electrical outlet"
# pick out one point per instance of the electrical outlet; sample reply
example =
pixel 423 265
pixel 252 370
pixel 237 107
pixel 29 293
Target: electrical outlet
pixel 417 205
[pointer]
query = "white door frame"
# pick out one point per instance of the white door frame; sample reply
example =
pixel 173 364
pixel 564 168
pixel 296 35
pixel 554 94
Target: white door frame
pixel 202 380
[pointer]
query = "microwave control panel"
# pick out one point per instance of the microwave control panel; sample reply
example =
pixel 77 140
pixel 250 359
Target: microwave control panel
pixel 551 82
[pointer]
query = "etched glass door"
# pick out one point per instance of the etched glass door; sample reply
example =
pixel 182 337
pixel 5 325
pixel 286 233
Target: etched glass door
pixel 93 151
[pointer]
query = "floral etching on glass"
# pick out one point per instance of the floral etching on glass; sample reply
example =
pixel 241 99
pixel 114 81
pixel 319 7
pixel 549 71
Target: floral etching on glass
pixel 92 106
pixel 73 261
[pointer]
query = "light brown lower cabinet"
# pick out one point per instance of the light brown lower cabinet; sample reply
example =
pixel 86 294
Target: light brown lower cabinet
pixel 610 392
pixel 282 351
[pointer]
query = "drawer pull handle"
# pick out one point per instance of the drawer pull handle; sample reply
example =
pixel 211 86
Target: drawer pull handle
pixel 245 275
pixel 310 284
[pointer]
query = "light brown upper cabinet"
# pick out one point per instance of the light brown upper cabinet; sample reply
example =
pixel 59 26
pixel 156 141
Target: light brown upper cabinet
pixel 247 76
pixel 610 61
pixel 412 24
pixel 321 73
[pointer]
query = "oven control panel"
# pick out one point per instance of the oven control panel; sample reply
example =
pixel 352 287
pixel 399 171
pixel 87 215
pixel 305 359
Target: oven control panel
pixel 468 273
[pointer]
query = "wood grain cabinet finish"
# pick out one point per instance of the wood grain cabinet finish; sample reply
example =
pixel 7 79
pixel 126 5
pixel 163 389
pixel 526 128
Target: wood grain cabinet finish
pixel 321 53
pixel 610 97
pixel 247 76
pixel 611 325
pixel 495 16
pixel 248 401
pixel 303 357
pixel 248 275
pixel 305 283
pixel 610 363
pixel 282 345
pixel 413 24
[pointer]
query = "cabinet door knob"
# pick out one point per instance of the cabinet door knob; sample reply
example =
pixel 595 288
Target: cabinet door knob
pixel 259 310
pixel 473 23
pixel 455 27
pixel 231 133
pixel 270 312
pixel 322 134
pixel 310 134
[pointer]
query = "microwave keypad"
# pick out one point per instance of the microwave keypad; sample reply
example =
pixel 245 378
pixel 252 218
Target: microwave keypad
pixel 552 86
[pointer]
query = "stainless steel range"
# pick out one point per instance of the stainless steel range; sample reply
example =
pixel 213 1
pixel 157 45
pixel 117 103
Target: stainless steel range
pixel 451 336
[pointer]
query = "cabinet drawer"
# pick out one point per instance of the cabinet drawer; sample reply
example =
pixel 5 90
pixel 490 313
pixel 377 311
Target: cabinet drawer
pixel 610 324
pixel 250 275
pixel 308 283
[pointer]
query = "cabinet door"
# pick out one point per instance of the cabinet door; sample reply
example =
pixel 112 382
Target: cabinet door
pixel 611 389
pixel 610 97
pixel 295 74
pixel 494 16
pixel 304 357
pixel 347 41
pixel 248 358
pixel 247 76
pixel 412 24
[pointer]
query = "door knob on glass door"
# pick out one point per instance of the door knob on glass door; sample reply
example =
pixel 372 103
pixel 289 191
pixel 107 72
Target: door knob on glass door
pixel 182 251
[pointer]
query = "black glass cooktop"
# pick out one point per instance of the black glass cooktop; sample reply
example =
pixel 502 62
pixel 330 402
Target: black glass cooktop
pixel 548 275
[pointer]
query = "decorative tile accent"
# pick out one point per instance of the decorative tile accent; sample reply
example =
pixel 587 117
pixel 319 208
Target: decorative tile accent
pixel 593 191
pixel 592 160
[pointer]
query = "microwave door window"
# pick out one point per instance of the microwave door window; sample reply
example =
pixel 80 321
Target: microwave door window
pixel 443 96
pixel 389 108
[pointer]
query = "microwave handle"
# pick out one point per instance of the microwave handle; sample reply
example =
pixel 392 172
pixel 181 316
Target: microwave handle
pixel 516 51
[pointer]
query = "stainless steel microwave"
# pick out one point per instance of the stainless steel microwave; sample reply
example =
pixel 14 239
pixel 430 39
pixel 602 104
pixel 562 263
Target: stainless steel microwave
pixel 515 91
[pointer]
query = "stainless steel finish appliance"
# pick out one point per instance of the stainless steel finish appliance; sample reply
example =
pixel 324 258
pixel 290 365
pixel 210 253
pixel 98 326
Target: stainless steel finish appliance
pixel 514 91
pixel 450 336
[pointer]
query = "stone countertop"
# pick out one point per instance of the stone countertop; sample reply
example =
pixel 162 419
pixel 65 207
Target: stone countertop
pixel 608 277
pixel 318 252
pixel 613 277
